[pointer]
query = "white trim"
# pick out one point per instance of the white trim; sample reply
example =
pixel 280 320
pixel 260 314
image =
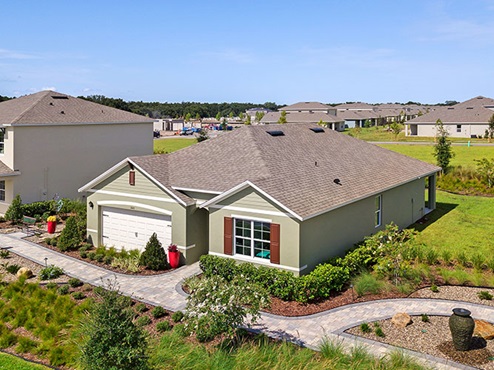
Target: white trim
pixel 133 204
pixel 74 124
pixel 92 231
pixel 196 190
pixel 15 173
pixel 186 248
pixel 129 195
pixel 248 218
pixel 243 186
pixel 104 175
pixel 258 261
pixel 251 210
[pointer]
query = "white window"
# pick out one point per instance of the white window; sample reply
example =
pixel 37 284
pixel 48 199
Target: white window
pixel 2 139
pixel 2 190
pixel 252 238
pixel 378 211
pixel 458 128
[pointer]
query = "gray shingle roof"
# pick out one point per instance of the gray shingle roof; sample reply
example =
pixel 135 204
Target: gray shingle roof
pixel 301 117
pixel 6 170
pixel 470 111
pixel 306 106
pixel 297 169
pixel 49 107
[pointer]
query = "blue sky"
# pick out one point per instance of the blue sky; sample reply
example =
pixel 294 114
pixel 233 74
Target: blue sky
pixel 250 51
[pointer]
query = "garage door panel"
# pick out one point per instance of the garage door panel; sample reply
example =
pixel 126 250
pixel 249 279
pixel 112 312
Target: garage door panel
pixel 132 229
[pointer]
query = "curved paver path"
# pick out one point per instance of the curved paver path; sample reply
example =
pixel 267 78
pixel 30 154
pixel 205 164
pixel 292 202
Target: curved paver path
pixel 164 290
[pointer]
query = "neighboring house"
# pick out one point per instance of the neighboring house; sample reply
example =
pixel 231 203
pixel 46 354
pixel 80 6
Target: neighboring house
pixel 307 112
pixel 168 124
pixel 52 143
pixel 286 196
pixel 253 112
pixel 469 119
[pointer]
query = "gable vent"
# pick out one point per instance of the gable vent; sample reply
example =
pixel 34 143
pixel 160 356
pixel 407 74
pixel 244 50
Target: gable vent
pixel 276 133
pixel 317 129
pixel 59 97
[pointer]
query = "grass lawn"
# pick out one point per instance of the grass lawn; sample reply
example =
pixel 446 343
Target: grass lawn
pixel 13 363
pixel 464 155
pixel 460 224
pixel 172 144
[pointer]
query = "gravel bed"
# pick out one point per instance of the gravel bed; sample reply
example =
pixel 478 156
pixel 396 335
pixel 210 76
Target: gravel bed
pixel 459 293
pixel 14 259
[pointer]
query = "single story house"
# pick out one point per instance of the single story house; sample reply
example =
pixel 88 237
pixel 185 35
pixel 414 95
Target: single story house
pixel 285 196
pixel 52 143
pixel 469 119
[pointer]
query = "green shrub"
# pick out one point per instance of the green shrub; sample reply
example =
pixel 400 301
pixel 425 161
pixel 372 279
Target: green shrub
pixel 483 294
pixel 158 312
pixel 379 332
pixel 365 328
pixel 63 290
pixel 107 260
pixel 70 237
pixel 163 326
pixel 143 321
pixel 319 284
pixel 4 253
pixel 177 316
pixel 367 283
pixel 14 212
pixel 424 317
pixel 78 295
pixel 154 256
pixel 83 254
pixel 50 272
pixel 434 288
pixel 25 345
pixel 91 256
pixel 75 282
pixel 128 263
pixel 446 256
pixel 99 257
pixel 431 257
pixel 12 269
pixel 51 285
pixel 462 259
pixel 98 290
pixel 54 242
pixel 83 248
pixel 140 307
pixel 478 261
pixel 218 266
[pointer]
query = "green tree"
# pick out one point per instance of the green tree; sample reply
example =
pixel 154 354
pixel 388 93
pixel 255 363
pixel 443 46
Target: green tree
pixel 282 118
pixel 154 256
pixel 490 129
pixel 111 340
pixel 248 120
pixel 218 116
pixel 188 116
pixel 231 115
pixel 395 129
pixel 216 306
pixel 241 116
pixel 14 212
pixel 259 116
pixel 485 168
pixel 70 238
pixel 442 149
pixel 203 135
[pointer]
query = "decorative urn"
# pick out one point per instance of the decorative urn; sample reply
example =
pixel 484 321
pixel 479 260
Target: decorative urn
pixel 461 325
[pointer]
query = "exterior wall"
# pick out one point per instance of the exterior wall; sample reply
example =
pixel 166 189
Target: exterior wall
pixel 8 158
pixel 9 194
pixel 333 233
pixel 251 205
pixel 61 159
pixel 467 130
pixel 145 196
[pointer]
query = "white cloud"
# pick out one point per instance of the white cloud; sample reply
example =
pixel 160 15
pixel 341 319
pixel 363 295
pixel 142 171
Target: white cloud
pixel 49 88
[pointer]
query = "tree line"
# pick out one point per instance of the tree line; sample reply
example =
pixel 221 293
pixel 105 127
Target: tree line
pixel 177 110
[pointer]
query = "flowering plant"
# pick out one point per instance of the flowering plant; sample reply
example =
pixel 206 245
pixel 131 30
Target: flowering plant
pixel 51 218
pixel 172 248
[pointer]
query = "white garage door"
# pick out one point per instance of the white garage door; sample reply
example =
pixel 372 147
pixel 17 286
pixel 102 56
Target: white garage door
pixel 132 229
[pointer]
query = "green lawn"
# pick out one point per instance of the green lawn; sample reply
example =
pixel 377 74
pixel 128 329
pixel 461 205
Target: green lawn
pixel 169 145
pixel 460 223
pixel 464 155
pixel 9 362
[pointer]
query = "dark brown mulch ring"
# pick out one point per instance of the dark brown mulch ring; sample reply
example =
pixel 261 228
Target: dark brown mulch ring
pixel 477 354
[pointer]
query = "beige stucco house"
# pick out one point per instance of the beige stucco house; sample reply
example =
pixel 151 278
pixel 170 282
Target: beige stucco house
pixel 468 119
pixel 52 143
pixel 285 196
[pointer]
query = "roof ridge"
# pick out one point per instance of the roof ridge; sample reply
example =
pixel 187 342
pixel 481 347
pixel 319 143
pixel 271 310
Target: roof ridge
pixel 42 95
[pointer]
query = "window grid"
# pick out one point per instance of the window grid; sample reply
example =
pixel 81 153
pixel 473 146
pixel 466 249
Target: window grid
pixel 2 190
pixel 252 238
pixel 378 211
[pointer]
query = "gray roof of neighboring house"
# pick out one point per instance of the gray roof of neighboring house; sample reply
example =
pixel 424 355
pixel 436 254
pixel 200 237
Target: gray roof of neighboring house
pixel 6 170
pixel 50 107
pixel 301 117
pixel 352 115
pixel 358 105
pixel 477 111
pixel 297 169
pixel 306 106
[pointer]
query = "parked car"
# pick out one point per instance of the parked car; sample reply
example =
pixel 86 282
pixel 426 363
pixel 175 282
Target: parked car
pixel 186 131
pixel 156 133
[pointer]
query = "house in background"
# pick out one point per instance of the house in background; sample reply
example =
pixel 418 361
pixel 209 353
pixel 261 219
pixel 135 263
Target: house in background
pixel 469 119
pixel 287 196
pixel 307 112
pixel 52 143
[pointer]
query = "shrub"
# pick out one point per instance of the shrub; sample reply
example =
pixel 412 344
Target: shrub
pixel 143 321
pixel 51 285
pixel 78 295
pixel 83 248
pixel 446 256
pixel 324 279
pixel 478 261
pixel 154 256
pixel 54 242
pixel 75 282
pixel 177 316
pixel 70 237
pixel 63 290
pixel 365 328
pixel 129 263
pixel 379 332
pixel 431 257
pixel 434 288
pixel 158 312
pixel 12 269
pixel 367 283
pixel 99 257
pixel 163 326
pixel 50 272
pixel 14 212
pixel 107 260
pixel 91 256
pixel 140 307
pixel 424 317
pixel 83 254
pixel 462 259
pixel 483 294
pixel 4 253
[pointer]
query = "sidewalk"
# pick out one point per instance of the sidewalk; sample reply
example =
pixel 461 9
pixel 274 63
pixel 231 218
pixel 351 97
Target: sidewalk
pixel 164 290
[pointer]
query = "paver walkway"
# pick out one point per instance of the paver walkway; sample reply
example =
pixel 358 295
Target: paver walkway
pixel 164 290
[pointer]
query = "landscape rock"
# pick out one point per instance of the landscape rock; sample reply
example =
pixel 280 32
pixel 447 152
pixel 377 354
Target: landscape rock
pixel 24 271
pixel 401 320
pixel 484 329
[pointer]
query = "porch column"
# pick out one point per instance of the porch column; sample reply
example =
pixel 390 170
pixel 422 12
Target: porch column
pixel 432 192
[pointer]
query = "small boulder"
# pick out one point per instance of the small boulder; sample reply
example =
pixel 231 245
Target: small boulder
pixel 401 320
pixel 484 329
pixel 24 271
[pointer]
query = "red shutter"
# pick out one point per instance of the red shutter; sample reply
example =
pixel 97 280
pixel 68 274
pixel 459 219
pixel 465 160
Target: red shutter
pixel 228 240
pixel 275 243
pixel 132 178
